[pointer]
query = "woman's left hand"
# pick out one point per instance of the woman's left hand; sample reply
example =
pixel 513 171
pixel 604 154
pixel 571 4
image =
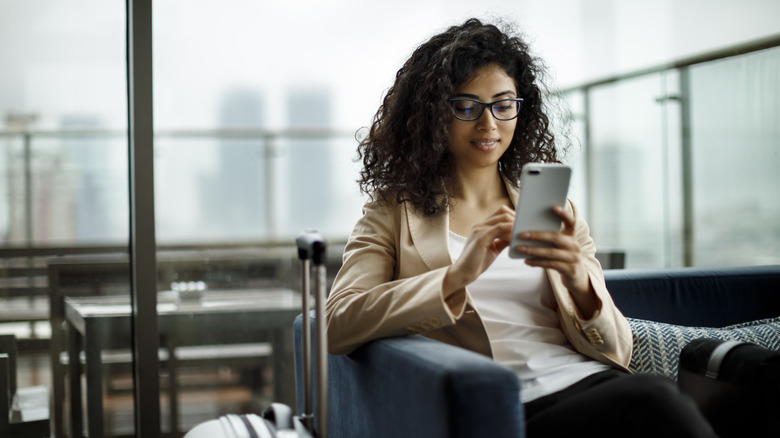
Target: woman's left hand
pixel 563 256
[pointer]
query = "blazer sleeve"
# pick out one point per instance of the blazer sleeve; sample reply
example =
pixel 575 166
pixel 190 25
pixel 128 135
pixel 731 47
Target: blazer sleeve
pixel 607 333
pixel 368 300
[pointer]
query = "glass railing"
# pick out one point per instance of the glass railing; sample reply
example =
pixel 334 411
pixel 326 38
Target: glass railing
pixel 681 160
pixel 214 187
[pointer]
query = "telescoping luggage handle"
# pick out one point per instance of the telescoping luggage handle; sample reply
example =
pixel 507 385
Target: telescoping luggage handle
pixel 312 250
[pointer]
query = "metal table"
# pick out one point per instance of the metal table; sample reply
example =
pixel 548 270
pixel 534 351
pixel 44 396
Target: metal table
pixel 217 317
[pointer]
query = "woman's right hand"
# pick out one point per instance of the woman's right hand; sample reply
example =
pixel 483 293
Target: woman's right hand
pixel 488 238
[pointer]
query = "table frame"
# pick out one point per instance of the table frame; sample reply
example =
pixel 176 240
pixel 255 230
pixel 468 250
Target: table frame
pixel 177 328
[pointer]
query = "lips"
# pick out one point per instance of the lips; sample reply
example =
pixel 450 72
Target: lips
pixel 486 144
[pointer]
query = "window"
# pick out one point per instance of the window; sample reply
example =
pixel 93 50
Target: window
pixel 735 135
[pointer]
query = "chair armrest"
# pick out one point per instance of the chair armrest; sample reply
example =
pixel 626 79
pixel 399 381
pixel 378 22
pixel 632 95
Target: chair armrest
pixel 414 386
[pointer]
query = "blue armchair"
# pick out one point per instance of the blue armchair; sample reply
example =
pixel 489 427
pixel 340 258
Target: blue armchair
pixel 413 386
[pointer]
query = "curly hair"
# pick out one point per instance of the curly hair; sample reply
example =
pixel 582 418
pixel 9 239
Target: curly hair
pixel 405 153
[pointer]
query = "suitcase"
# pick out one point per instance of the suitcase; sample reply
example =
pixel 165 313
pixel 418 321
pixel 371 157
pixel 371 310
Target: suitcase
pixel 278 420
pixel 735 384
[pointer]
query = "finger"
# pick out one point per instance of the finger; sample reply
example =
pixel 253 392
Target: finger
pixel 505 209
pixel 501 232
pixel 557 239
pixel 486 232
pixel 503 214
pixel 566 217
pixel 500 216
pixel 499 245
pixel 544 263
pixel 549 254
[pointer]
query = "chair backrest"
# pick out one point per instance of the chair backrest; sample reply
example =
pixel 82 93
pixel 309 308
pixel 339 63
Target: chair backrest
pixel 5 395
pixel 7 380
pixel 703 297
pixel 24 412
pixel 8 347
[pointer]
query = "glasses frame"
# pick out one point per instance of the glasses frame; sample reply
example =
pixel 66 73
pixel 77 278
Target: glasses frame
pixel 518 100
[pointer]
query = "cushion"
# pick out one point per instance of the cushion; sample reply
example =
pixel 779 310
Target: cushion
pixel 657 345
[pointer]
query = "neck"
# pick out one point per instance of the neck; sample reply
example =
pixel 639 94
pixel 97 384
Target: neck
pixel 481 188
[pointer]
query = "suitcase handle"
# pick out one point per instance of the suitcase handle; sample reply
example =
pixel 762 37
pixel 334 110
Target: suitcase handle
pixel 312 248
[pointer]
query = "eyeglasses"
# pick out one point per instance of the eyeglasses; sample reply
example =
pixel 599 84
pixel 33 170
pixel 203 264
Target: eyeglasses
pixel 472 109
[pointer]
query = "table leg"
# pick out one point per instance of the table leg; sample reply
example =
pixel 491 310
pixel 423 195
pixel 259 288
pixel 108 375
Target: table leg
pixel 173 383
pixel 94 378
pixel 74 378
pixel 57 368
pixel 57 389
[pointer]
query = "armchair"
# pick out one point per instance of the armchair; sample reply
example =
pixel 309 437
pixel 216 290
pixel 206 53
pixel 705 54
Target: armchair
pixel 413 386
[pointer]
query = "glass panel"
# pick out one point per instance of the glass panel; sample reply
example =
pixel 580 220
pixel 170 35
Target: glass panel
pixel 211 190
pixel 734 115
pixel 79 189
pixel 62 188
pixel 64 207
pixel 628 197
pixel 317 186
pixel 672 176
pixel 15 197
pixel 576 155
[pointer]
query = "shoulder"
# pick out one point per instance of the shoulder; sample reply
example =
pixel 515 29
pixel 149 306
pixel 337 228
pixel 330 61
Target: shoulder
pixel 392 218
pixel 382 216
pixel 387 206
pixel 383 207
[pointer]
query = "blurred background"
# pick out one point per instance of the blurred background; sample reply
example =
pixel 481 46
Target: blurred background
pixel 675 147
pixel 234 81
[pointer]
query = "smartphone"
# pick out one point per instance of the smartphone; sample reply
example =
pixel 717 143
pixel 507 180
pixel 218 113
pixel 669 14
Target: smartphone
pixel 542 186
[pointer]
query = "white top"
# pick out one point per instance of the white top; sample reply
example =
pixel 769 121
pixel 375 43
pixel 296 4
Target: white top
pixel 518 309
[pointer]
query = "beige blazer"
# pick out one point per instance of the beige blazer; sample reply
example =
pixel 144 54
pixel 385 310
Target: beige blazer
pixel 391 280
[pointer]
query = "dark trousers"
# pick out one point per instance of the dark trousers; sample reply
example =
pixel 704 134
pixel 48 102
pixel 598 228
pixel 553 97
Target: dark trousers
pixel 616 404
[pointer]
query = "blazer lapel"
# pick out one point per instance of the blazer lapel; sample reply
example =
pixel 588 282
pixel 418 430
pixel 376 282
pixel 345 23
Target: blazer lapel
pixel 430 237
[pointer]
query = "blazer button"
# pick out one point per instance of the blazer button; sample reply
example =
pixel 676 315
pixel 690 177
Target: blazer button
pixel 594 337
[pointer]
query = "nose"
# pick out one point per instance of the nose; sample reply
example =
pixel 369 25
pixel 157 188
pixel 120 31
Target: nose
pixel 487 122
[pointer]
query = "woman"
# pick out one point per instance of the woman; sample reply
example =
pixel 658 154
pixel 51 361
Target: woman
pixel 429 255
